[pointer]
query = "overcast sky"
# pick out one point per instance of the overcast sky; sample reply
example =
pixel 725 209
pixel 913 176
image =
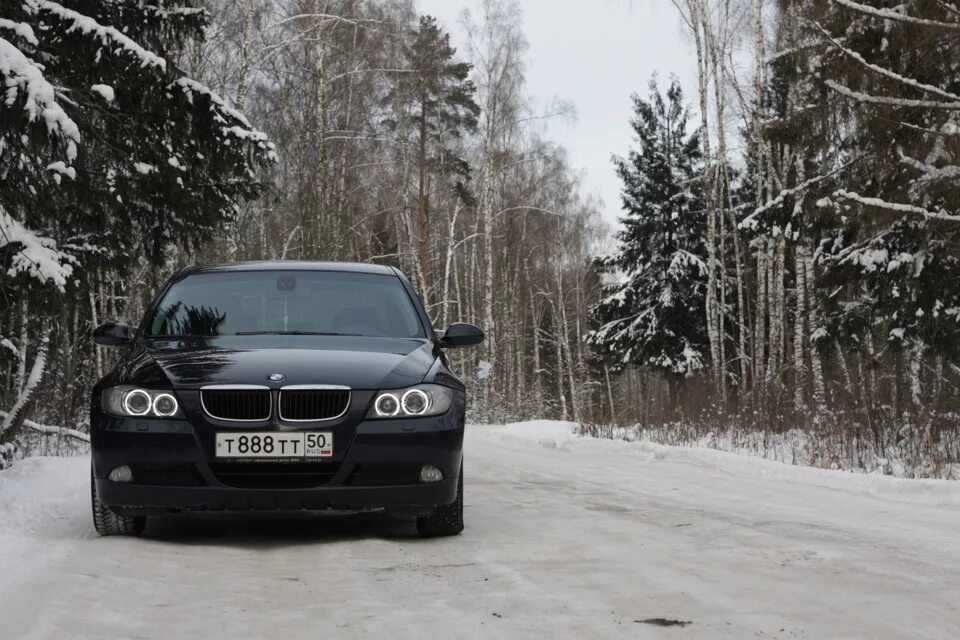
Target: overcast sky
pixel 592 54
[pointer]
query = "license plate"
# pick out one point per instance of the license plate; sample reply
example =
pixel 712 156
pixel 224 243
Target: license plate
pixel 270 444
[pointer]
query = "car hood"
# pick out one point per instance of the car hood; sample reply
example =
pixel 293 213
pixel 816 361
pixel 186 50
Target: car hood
pixel 355 362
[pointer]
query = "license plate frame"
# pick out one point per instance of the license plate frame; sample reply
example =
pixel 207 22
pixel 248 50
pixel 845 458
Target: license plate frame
pixel 273 445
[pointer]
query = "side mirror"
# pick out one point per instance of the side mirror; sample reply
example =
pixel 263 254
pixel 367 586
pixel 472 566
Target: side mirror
pixel 461 334
pixel 112 334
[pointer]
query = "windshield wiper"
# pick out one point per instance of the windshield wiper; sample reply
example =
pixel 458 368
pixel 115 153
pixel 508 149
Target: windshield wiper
pixel 293 333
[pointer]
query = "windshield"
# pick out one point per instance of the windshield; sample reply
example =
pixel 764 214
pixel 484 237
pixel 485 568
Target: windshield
pixel 287 302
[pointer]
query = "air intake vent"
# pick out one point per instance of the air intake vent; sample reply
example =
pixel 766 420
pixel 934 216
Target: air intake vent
pixel 310 403
pixel 245 404
pixel 275 475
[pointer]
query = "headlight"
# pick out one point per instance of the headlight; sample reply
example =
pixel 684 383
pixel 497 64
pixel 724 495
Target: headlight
pixel 134 402
pixel 422 400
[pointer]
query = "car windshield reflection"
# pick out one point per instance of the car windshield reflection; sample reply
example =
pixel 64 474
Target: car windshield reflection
pixel 286 303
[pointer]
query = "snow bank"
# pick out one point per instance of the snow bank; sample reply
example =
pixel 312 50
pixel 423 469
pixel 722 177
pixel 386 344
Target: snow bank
pixel 36 492
pixel 563 436
pixel 548 433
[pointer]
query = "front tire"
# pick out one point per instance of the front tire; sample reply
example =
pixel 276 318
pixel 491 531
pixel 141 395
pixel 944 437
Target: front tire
pixel 109 523
pixel 447 519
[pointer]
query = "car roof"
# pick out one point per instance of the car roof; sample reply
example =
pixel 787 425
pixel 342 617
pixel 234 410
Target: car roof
pixel 291 265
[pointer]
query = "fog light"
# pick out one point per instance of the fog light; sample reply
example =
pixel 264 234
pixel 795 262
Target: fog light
pixel 429 473
pixel 123 473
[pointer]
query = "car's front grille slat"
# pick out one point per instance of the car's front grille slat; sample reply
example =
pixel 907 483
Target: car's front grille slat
pixel 305 404
pixel 238 404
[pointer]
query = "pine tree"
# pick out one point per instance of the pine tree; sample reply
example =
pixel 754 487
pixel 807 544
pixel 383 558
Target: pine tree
pixel 442 109
pixel 653 310
pixel 107 151
pixel 890 72
pixel 110 157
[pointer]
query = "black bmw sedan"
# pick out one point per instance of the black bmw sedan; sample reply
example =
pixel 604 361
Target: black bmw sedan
pixel 280 385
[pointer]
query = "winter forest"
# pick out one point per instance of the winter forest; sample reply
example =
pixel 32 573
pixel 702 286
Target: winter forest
pixel 785 277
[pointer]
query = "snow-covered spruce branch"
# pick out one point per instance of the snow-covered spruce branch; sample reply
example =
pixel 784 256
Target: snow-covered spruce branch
pixel 950 172
pixel 843 256
pixel 896 206
pixel 631 322
pixel 887 73
pixel 38 256
pixel 21 74
pixel 750 222
pixel 773 57
pixel 21 30
pixel 890 14
pixel 937 132
pixel 164 12
pixel 108 36
pixel 681 260
pixel 191 87
pixel 52 430
pixel 889 101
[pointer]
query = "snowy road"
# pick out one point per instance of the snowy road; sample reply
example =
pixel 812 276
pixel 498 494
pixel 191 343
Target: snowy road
pixel 564 539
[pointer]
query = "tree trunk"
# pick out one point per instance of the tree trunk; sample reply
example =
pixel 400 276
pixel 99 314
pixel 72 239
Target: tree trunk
pixel 698 21
pixel 800 331
pixel 448 266
pixel 536 315
pixel 311 224
pixel 23 346
pixel 916 379
pixel 816 364
pixel 720 186
pixel 424 239
pixel 18 413
pixel 486 219
pixel 760 325
pixel 563 337
pixel 613 409
pixel 243 73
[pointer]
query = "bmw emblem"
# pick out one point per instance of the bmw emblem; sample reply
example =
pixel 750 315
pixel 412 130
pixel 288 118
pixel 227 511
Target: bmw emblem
pixel 276 377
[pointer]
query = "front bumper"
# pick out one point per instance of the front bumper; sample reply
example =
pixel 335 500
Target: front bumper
pixel 380 468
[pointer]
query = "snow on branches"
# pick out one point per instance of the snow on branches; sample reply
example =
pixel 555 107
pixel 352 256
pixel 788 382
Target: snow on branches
pixel 233 123
pixel 27 90
pixel 109 37
pixel 36 256
pixel 24 84
pixel 173 160
pixel 20 29
pixel 898 14
pixel 901 207
pixel 653 315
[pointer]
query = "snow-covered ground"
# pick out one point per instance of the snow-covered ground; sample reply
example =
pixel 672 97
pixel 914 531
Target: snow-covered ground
pixel 566 538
